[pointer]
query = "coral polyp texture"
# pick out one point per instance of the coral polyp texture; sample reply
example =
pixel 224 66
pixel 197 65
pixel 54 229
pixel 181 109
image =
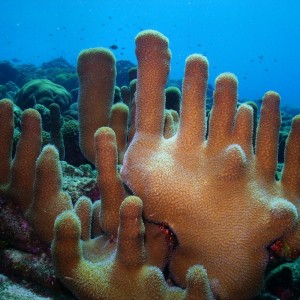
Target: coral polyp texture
pixel 218 196
pixel 189 208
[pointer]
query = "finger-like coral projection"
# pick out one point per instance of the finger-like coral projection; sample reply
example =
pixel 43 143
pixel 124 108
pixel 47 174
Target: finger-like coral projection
pixel 97 73
pixel 42 213
pixel 219 198
pixel 95 268
pixel 200 210
pixel 105 279
pixel 18 174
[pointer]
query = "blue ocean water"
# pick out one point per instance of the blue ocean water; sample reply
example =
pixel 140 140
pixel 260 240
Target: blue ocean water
pixel 258 40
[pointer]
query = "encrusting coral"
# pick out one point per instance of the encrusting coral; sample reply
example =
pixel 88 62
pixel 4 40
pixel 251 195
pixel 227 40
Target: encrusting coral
pixel 200 208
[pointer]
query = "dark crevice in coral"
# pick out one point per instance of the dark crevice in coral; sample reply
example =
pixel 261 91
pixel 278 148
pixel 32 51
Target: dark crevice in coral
pixel 127 189
pixel 172 244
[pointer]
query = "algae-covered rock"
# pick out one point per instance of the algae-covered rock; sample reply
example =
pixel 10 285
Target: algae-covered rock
pixel 284 281
pixel 2 91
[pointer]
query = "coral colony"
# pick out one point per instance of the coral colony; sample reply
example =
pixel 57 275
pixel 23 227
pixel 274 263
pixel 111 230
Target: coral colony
pixel 189 208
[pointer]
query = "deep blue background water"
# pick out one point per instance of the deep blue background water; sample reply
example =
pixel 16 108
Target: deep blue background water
pixel 258 40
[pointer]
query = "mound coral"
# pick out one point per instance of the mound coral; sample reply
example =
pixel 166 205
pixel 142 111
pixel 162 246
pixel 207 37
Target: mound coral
pixel 42 91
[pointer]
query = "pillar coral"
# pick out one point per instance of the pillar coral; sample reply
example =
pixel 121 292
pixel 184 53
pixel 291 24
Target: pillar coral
pixel 219 198
pixel 97 73
pixel 94 268
pixel 18 174
pixel 32 175
pixel 42 213
pixel 216 195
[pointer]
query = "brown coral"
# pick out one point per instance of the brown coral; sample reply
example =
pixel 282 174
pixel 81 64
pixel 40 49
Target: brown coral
pixel 95 268
pixel 216 195
pixel 219 198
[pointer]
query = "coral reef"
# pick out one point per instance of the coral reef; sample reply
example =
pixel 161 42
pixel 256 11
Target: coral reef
pixel 124 72
pixel 56 132
pixel 42 91
pixel 173 98
pixel 7 72
pixel 181 210
pixel 191 183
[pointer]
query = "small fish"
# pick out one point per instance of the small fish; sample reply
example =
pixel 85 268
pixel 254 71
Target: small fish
pixel 16 60
pixel 113 47
pixel 261 57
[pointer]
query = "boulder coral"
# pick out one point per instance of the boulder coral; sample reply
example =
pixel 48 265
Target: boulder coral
pixel 94 268
pixel 42 91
